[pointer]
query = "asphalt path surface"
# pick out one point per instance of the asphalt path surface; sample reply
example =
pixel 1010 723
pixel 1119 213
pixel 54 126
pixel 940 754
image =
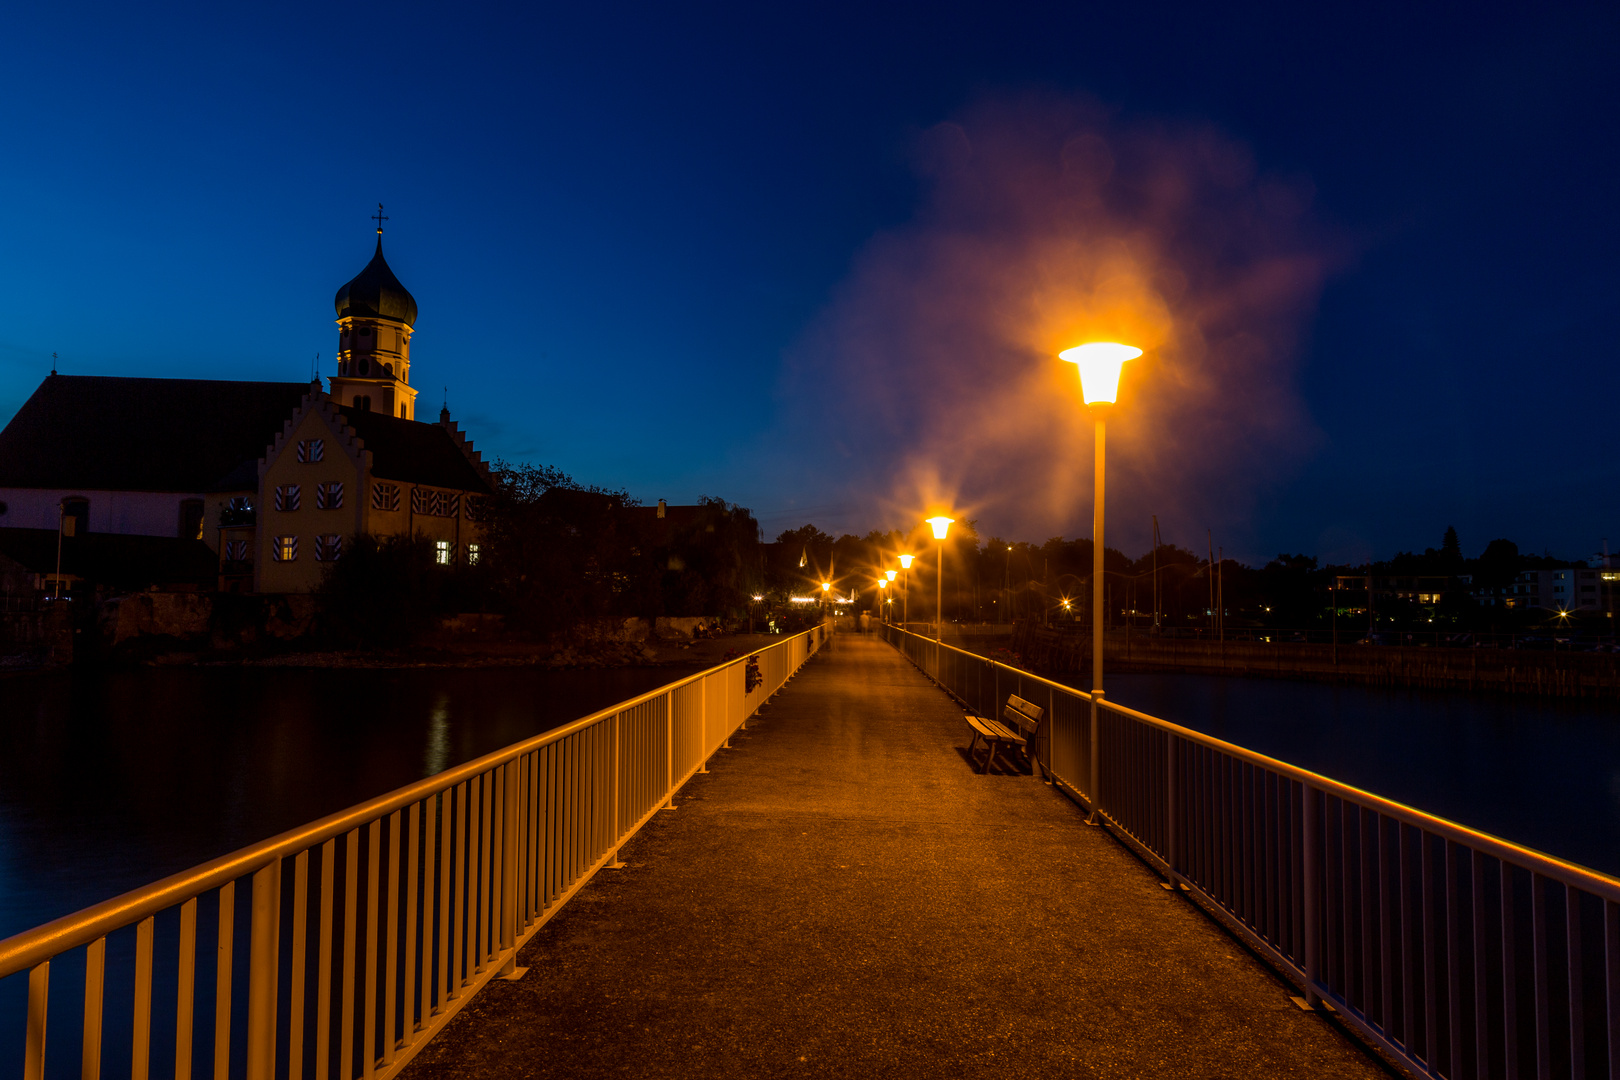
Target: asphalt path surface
pixel 842 895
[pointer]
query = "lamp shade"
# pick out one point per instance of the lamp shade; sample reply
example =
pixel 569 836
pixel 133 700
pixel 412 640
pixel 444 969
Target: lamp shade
pixel 891 574
pixel 825 585
pixel 942 525
pixel 1099 363
pixel 905 561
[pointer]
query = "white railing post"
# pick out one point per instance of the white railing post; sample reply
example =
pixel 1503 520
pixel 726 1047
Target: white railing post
pixel 1170 803
pixel 669 746
pixel 39 996
pixel 618 755
pixel 1096 759
pixel 703 718
pixel 1312 897
pixel 511 924
pixel 264 958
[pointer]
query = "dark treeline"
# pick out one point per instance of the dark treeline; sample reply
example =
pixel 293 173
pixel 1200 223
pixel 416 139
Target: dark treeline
pixel 992 579
pixel 556 553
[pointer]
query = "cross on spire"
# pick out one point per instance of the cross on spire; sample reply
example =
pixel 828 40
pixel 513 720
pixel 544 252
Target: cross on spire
pixel 379 218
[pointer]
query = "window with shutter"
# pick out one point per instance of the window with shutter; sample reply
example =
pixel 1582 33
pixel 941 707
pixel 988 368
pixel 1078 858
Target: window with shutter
pixel 385 496
pixel 329 495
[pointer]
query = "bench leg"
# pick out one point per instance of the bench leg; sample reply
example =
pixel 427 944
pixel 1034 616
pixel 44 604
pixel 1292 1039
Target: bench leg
pixel 990 748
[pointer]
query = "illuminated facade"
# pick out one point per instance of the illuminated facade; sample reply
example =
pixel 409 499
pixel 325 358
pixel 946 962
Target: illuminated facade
pixel 376 317
pixel 276 478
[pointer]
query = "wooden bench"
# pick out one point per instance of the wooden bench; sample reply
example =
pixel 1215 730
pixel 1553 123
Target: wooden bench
pixel 1022 721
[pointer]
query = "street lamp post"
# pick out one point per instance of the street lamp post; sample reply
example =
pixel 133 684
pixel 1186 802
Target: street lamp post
pixel 942 525
pixel 883 585
pixel 905 564
pixel 889 576
pixel 1099 363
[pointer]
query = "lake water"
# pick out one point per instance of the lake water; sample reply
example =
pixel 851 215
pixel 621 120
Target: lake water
pixel 109 781
pixel 1544 773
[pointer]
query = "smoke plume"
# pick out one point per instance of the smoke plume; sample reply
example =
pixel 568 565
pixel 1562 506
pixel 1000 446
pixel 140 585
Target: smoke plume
pixel 933 375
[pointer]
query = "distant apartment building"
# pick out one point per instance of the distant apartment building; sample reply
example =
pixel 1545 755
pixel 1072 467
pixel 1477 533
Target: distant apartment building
pixel 1570 588
pixel 1424 590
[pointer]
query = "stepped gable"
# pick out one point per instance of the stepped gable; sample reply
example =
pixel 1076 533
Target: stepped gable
pixel 474 458
pixel 112 433
pixel 416 453
pixel 315 398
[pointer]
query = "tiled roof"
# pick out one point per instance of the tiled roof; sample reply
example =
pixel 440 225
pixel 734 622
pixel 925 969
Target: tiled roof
pixel 414 452
pixel 112 433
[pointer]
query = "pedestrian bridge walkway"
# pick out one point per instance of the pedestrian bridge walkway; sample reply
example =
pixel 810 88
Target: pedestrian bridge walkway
pixel 787 863
pixel 842 894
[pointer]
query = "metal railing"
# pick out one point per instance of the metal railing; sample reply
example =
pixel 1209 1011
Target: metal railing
pixel 1457 952
pixel 367 930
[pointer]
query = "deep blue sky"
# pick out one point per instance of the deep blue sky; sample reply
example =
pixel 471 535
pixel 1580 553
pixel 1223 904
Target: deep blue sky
pixel 619 221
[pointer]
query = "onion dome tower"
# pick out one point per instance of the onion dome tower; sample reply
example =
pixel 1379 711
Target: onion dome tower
pixel 376 316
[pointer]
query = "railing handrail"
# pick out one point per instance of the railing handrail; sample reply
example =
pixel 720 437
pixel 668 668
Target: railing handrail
pixel 1539 862
pixel 28 948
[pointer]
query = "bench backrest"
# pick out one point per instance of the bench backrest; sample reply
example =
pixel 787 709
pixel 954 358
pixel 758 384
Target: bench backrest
pixel 1026 714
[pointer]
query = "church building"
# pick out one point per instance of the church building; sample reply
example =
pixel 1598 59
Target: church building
pixel 274 478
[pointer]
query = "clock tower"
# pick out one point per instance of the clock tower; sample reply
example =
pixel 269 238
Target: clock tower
pixel 376 316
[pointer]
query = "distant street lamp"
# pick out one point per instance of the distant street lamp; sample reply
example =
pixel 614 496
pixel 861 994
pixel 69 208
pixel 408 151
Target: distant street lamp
pixel 1099 363
pixel 905 613
pixel 883 584
pixel 942 525
pixel 1006 593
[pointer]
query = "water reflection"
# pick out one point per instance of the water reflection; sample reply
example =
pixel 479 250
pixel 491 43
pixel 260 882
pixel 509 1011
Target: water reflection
pixel 1538 772
pixel 110 781
pixel 438 740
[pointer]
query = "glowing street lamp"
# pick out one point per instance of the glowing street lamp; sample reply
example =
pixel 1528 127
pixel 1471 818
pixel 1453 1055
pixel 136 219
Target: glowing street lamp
pixel 905 613
pixel 1099 363
pixel 942 525
pixel 883 584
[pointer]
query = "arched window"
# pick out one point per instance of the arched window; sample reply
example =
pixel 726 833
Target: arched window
pixel 402 415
